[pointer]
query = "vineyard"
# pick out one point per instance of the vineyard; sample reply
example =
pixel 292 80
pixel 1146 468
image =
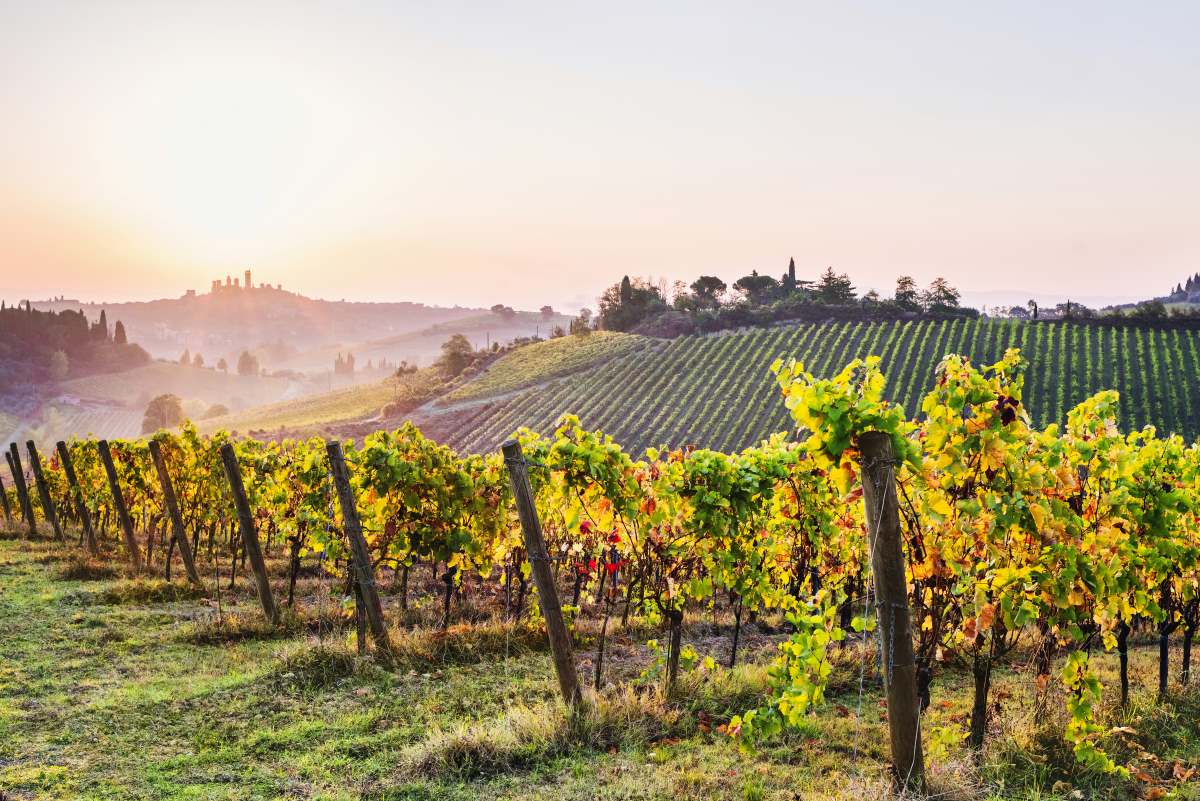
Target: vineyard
pixel 712 391
pixel 902 570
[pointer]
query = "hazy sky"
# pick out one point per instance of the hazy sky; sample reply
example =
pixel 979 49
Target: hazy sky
pixel 531 153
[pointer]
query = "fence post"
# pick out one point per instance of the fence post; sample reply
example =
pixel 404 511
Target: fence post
pixel 18 474
pixel 114 487
pixel 249 534
pixel 185 547
pixel 361 557
pixel 539 564
pixel 891 600
pixel 39 478
pixel 7 507
pixel 85 519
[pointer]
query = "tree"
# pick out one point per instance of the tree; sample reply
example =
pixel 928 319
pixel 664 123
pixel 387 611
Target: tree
pixel 457 353
pixel 506 312
pixel 1033 308
pixel 186 358
pixel 101 328
pixel 940 296
pixel 1149 310
pixel 708 289
pixel 165 411
pixel 197 360
pixel 547 312
pixel 247 364
pixel 59 365
pixel 626 304
pixel 216 410
pixel 756 288
pixel 906 296
pixel 789 280
pixel 223 365
pixel 835 289
pixel 582 325
pixel 119 334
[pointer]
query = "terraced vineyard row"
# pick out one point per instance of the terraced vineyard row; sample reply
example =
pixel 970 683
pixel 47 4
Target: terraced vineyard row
pixel 717 392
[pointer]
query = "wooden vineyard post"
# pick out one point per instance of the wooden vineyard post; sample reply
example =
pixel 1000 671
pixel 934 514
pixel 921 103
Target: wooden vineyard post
pixel 185 547
pixel 114 487
pixel 39 478
pixel 249 534
pixel 81 509
pixel 18 474
pixel 4 500
pixel 361 558
pixel 539 563
pixel 891 601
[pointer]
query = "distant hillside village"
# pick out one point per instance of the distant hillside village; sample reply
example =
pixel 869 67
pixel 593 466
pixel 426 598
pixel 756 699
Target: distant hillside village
pixel 232 285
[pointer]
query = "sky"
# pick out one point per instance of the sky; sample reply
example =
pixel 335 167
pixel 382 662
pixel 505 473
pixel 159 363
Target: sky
pixel 533 153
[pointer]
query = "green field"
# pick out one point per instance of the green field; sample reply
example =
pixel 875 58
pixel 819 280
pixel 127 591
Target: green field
pixel 716 391
pixel 115 689
pixel 362 400
pixel 552 358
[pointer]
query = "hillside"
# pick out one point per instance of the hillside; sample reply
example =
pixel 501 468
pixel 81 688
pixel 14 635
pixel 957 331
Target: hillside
pixel 309 415
pixel 716 391
pixel 553 358
pixel 223 322
pixel 423 347
pixel 136 387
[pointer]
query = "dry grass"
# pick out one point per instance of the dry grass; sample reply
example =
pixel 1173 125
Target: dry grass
pixel 86 568
pixel 526 736
pixel 142 590
pixel 465 644
pixel 319 664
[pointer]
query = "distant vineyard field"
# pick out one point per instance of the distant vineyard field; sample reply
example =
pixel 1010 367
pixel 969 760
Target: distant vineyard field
pixel 716 391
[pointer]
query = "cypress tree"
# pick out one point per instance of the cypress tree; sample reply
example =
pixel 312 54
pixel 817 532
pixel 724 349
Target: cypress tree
pixel 119 334
pixel 626 291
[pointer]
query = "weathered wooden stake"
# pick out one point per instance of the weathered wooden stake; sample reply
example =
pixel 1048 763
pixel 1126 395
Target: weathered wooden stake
pixel 39 478
pixel 172 503
pixel 81 510
pixel 361 557
pixel 7 507
pixel 114 487
pixel 249 534
pixel 539 563
pixel 18 474
pixel 895 626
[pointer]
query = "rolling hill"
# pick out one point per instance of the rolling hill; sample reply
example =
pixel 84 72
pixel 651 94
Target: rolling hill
pixel 717 391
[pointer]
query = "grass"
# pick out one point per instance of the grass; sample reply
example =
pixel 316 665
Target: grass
pixel 541 361
pixel 155 378
pixel 119 688
pixel 314 411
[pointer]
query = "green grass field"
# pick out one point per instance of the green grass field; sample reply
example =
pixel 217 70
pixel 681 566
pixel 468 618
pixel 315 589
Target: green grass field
pixel 314 411
pixel 114 689
pixel 552 358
